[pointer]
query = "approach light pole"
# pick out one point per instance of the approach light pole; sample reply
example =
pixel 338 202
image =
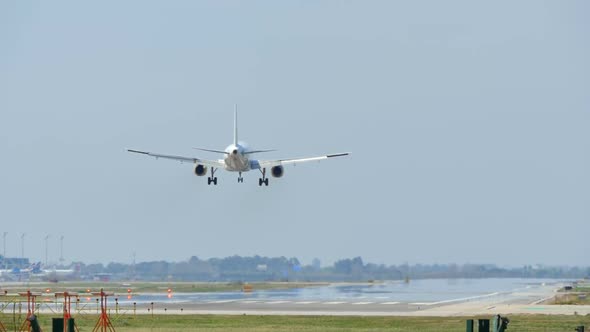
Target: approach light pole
pixel 46 248
pixel 22 245
pixel 61 249
pixel 4 252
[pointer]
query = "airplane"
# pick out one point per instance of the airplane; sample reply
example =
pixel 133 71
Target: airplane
pixel 9 274
pixel 237 159
pixel 37 272
pixel 17 273
pixel 55 275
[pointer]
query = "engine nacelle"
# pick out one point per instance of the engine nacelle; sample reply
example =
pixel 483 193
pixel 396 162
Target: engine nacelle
pixel 200 170
pixel 277 171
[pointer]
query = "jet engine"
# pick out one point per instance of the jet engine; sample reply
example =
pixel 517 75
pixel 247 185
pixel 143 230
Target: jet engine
pixel 277 171
pixel 200 170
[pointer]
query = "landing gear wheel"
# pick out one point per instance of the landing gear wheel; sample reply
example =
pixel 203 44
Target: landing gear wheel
pixel 212 178
pixel 263 179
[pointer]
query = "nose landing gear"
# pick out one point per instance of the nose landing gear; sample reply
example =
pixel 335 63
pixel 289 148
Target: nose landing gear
pixel 240 178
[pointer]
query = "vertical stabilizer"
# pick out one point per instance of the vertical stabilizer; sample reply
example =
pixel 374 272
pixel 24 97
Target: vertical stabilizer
pixel 236 124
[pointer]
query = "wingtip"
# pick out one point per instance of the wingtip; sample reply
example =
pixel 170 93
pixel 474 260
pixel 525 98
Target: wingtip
pixel 136 151
pixel 339 155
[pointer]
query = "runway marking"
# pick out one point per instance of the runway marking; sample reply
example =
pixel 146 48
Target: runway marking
pixel 457 300
pixel 361 303
pixel 248 302
pixel 335 302
pixel 277 302
pixel 541 300
pixel 221 301
pixel 305 302
pixel 390 303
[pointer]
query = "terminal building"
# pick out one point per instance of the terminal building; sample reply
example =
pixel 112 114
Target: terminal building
pixel 9 263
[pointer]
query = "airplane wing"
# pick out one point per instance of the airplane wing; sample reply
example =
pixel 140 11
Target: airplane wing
pixel 282 162
pixel 210 163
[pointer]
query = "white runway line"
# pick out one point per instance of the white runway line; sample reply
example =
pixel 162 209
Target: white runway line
pixel 390 303
pixel 277 302
pixel 335 302
pixel 361 303
pixel 541 300
pixel 249 302
pixel 457 300
pixel 305 302
pixel 221 301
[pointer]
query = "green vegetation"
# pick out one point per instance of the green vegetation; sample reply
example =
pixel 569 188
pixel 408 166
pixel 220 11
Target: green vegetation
pixel 170 323
pixel 579 295
pixel 155 287
pixel 184 287
pixel 572 298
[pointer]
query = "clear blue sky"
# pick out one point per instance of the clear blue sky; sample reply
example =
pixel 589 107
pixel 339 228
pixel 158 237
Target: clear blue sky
pixel 468 122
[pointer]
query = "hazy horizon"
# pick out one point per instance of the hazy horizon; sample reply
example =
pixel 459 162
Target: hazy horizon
pixel 467 122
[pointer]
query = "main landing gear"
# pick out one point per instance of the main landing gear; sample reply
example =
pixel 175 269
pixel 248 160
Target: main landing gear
pixel 212 178
pixel 240 178
pixel 263 179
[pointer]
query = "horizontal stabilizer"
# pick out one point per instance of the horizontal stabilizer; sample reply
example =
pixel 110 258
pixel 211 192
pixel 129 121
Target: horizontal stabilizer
pixel 210 150
pixel 258 151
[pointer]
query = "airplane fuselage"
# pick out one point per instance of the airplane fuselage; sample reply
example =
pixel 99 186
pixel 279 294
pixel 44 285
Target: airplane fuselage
pixel 236 159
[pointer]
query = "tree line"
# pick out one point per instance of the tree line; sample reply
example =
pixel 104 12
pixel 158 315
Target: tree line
pixel 259 268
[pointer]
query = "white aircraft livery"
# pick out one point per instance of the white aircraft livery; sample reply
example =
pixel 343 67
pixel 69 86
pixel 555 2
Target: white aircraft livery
pixel 237 159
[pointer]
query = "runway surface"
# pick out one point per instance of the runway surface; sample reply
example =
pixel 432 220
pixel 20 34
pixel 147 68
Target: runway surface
pixel 456 298
pixel 463 297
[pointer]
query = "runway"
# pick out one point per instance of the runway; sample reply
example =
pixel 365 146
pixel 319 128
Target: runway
pixel 523 300
pixel 363 308
pixel 436 297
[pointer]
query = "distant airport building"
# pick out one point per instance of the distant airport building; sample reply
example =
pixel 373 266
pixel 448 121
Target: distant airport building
pixel 13 262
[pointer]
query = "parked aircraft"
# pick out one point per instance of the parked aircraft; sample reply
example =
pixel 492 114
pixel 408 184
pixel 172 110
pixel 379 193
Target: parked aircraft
pixel 35 271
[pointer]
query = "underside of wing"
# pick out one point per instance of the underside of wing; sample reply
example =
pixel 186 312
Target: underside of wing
pixel 210 163
pixel 282 162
